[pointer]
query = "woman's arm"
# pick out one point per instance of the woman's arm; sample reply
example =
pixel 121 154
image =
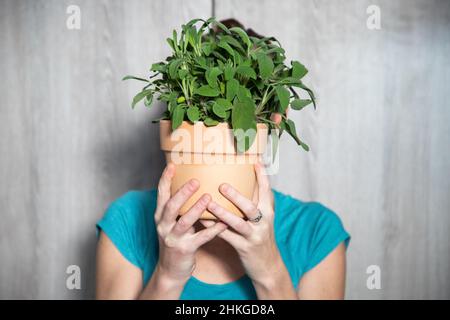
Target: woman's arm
pixel 255 243
pixel 327 279
pixel 118 278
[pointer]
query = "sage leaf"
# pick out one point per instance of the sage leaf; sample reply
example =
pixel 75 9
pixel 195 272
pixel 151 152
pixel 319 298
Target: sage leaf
pixel 243 36
pixel 193 114
pixel 177 116
pixel 265 65
pixel 140 96
pixel 298 70
pixel 283 96
pixel 207 91
pixel 298 104
pixel 210 122
pixel 219 110
pixel 243 121
pixel 232 88
pixel 246 71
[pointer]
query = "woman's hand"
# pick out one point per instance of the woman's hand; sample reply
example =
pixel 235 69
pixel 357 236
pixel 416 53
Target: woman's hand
pixel 255 241
pixel 178 241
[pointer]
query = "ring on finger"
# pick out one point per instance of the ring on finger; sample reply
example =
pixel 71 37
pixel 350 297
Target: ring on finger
pixel 257 218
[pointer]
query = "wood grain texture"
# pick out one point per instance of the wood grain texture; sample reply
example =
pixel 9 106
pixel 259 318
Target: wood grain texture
pixel 69 143
pixel 379 139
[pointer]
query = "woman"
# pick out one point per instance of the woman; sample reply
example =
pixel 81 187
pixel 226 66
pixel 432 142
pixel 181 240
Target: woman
pixel 295 251
pixel 285 249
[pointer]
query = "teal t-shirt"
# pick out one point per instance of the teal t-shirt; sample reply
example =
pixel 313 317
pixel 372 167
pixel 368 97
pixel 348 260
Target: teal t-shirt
pixel 305 232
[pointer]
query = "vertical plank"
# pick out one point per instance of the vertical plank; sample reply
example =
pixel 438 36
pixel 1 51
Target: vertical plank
pixel 69 142
pixel 379 137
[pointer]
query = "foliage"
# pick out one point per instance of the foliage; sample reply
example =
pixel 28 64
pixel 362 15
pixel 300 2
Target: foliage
pixel 218 74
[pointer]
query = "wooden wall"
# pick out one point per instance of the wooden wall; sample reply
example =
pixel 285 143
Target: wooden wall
pixel 380 156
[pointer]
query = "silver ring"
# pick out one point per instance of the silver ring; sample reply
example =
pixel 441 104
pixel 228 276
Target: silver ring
pixel 255 220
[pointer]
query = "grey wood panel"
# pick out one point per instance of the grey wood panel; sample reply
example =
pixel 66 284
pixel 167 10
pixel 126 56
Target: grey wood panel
pixel 69 142
pixel 379 139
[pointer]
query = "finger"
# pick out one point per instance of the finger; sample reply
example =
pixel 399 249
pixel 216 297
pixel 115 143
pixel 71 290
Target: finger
pixel 264 190
pixel 179 198
pixel 237 223
pixel 246 205
pixel 187 220
pixel 276 117
pixel 164 189
pixel 207 234
pixel 235 240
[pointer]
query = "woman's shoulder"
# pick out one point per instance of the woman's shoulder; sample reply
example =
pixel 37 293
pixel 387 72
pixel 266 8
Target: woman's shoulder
pixel 133 201
pixel 129 223
pixel 309 229
pixel 290 208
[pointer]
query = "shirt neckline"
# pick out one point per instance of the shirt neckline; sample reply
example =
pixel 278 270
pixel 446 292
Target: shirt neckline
pixel 220 285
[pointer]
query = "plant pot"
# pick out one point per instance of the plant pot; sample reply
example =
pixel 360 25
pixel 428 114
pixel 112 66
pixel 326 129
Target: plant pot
pixel 209 155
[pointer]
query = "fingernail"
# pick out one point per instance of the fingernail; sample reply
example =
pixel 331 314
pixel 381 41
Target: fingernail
pixel 212 205
pixel 170 169
pixel 225 187
pixel 205 198
pixel 194 183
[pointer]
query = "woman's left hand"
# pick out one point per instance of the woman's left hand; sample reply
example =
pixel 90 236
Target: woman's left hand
pixel 254 241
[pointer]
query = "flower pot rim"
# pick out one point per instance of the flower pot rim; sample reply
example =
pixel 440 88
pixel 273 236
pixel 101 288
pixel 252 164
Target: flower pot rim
pixel 259 125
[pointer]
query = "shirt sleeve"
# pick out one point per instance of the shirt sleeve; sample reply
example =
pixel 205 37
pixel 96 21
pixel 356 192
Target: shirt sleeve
pixel 119 223
pixel 327 233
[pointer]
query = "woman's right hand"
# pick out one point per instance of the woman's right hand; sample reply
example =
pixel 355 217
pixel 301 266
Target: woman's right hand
pixel 178 240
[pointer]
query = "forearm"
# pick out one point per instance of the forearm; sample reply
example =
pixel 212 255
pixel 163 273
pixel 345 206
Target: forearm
pixel 162 287
pixel 277 285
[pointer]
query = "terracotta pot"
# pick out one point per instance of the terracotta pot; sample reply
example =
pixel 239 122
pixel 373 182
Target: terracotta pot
pixel 209 155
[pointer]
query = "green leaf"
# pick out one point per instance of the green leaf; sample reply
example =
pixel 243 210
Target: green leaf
pixel 219 110
pixel 134 78
pixel 290 128
pixel 232 89
pixel 211 76
pixel 193 114
pixel 226 104
pixel 148 99
pixel 228 72
pixel 244 123
pixel 173 67
pixel 140 96
pixel 207 91
pixel 158 67
pixel 265 65
pixel 171 44
pixel 246 71
pixel 232 41
pixel 177 116
pixel 243 36
pixel 283 96
pixel 222 26
pixel 209 122
pixel 299 104
pixel 224 45
pixel 298 70
pixel 310 93
pixel 182 73
pixel 243 93
pixel 207 48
